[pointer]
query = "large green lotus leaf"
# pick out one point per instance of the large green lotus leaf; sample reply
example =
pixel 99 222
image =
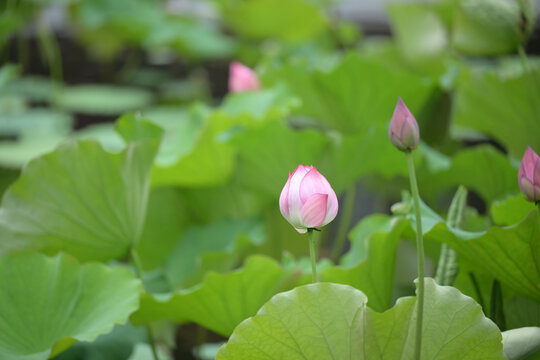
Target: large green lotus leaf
pixel 510 254
pixel 16 154
pixel 488 27
pixel 37 132
pixel 522 343
pixel 189 155
pixel 81 199
pixel 191 37
pixel 266 19
pixel 511 210
pixel 115 345
pixel 483 169
pixel 421 35
pixel 102 99
pixel 331 321
pixel 166 219
pixel 182 128
pixel 33 88
pixel 274 103
pixel 342 167
pixel 221 301
pixel 521 312
pixel 503 108
pixel 44 301
pixel 236 201
pixel 217 246
pixel 357 94
pixel 373 258
pixel 210 161
pixel 268 153
pixel 35 123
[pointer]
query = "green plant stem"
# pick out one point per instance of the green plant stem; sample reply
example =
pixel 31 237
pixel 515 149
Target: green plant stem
pixel 139 271
pixel 420 256
pixel 345 222
pixel 313 255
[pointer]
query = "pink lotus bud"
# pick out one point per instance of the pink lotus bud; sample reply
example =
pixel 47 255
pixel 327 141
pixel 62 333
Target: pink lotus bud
pixel 529 175
pixel 307 199
pixel 403 130
pixel 242 78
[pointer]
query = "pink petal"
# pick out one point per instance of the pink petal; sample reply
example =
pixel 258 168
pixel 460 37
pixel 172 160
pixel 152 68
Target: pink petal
pixel 295 203
pixel 536 178
pixel 527 188
pixel 332 208
pixel 528 163
pixel 403 130
pixel 314 183
pixel 314 210
pixel 284 198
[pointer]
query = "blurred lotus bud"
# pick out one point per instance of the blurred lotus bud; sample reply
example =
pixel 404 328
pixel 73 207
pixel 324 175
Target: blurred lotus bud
pixel 529 175
pixel 242 78
pixel 307 199
pixel 403 130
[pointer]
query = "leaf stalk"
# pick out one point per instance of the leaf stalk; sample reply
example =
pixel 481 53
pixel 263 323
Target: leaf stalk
pixel 420 257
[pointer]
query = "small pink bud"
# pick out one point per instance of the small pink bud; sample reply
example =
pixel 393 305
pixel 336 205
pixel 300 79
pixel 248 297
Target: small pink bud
pixel 403 130
pixel 242 78
pixel 529 175
pixel 307 199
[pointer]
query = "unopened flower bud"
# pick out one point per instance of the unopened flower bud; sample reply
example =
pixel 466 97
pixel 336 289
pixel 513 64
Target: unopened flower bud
pixel 242 78
pixel 307 199
pixel 403 130
pixel 529 175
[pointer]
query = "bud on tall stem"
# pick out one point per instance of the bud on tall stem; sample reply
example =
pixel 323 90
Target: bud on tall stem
pixel 405 136
pixel 307 201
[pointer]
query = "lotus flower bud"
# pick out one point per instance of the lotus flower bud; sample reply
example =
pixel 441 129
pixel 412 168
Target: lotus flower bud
pixel 307 199
pixel 403 130
pixel 529 175
pixel 242 78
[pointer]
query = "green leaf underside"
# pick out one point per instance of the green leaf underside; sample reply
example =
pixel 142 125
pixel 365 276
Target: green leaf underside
pixel 46 300
pixel 266 18
pixel 82 199
pixel 511 254
pixel 331 321
pixel 221 301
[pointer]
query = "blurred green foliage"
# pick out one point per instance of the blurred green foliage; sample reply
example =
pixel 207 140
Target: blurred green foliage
pixel 184 187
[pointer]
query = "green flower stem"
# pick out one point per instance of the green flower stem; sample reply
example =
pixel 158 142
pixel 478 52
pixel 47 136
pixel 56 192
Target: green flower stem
pixel 313 254
pixel 420 256
pixel 447 266
pixel 139 271
pixel 345 222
